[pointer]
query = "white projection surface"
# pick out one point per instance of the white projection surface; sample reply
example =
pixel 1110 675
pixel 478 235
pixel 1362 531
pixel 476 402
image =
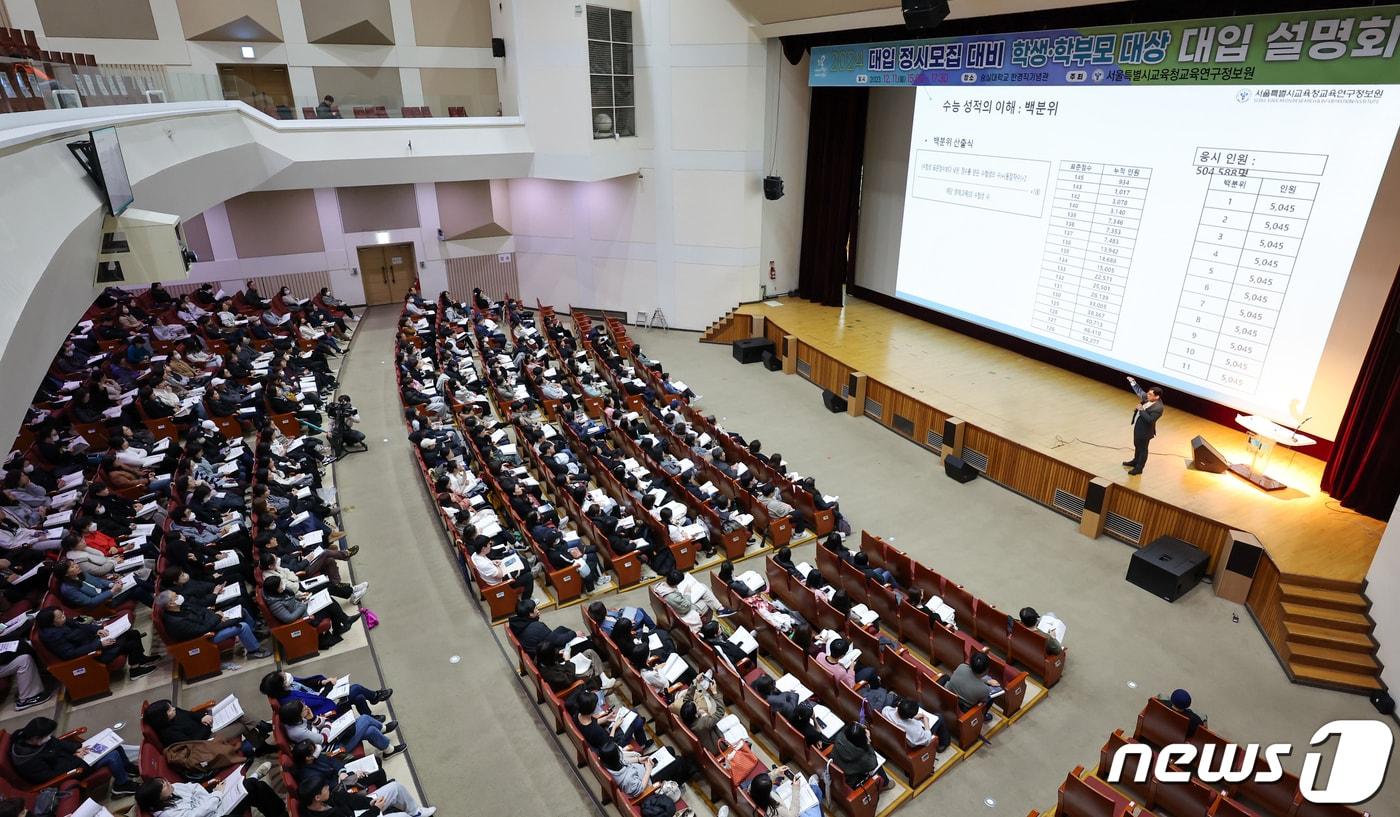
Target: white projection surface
pixel 1200 236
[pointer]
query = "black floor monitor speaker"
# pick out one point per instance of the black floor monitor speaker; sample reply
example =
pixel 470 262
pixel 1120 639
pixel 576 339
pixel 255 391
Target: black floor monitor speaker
pixel 835 403
pixel 1168 567
pixel 772 362
pixel 1205 457
pixel 750 350
pixel 925 13
pixel 958 469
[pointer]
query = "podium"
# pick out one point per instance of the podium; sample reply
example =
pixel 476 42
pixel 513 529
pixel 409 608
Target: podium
pixel 1264 436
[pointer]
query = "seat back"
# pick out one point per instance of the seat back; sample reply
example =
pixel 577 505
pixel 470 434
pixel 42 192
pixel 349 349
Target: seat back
pixel 1158 725
pixel 1079 799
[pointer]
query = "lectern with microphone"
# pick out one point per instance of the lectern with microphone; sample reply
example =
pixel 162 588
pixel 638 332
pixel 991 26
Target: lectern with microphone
pixel 1264 437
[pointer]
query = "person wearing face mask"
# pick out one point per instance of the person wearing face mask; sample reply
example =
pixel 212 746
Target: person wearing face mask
pixel 77 589
pixel 97 538
pixel 187 621
pixel 69 639
pixel 92 561
pixel 310 766
pixel 389 800
pixel 38 756
pixel 313 689
pixel 300 723
pixel 287 606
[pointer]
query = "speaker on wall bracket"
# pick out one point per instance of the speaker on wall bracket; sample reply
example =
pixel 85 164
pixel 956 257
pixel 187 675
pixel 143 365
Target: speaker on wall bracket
pixel 924 14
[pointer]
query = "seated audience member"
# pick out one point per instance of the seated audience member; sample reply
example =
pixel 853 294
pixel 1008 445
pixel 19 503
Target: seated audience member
pixel 532 633
pixel 700 707
pixel 310 763
pixel 768 802
pixel 920 728
pixel 288 605
pixel 389 800
pixel 601 726
pixel 38 756
pixel 69 639
pixel 744 589
pixel 688 599
pixel 300 723
pixel 633 771
pixel 1047 623
pixel 731 653
pixel 313 689
pixel 973 687
pixel 829 658
pixel 855 757
pixel 186 620
pixel 161 798
pixel 190 744
pixel 876 696
pixel 1180 700
pixel 599 612
pixel 19 662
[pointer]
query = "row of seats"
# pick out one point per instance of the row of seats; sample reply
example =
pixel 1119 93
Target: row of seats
pixel 1089 794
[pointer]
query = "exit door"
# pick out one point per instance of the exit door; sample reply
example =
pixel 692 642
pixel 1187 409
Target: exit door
pixel 388 272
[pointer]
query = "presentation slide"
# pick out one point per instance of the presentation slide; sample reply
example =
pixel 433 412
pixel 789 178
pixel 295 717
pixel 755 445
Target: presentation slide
pixel 1200 236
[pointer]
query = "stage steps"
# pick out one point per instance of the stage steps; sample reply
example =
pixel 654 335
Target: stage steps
pixel 728 328
pixel 1328 635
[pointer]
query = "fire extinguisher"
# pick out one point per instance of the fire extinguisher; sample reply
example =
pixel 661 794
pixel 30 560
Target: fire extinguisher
pixel 772 271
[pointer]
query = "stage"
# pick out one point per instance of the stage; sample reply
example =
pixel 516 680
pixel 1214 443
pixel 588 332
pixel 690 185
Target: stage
pixel 1084 424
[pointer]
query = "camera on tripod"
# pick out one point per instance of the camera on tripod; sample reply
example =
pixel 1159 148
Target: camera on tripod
pixel 344 438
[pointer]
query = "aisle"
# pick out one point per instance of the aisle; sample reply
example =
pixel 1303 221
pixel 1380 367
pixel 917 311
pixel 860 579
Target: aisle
pixel 474 743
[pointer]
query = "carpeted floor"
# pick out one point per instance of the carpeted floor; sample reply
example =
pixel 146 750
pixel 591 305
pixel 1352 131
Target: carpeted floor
pixel 478 748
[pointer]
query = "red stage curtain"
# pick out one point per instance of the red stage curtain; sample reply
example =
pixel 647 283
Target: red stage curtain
pixel 1363 472
pixel 831 209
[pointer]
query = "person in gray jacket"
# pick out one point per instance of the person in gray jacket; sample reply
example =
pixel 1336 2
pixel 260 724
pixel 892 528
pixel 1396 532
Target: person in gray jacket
pixel 165 799
pixel 288 605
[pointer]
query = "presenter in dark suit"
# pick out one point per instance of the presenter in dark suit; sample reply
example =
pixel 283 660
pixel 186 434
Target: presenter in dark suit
pixel 1145 418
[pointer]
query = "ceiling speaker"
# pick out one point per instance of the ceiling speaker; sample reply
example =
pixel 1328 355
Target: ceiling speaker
pixel 924 13
pixel 772 187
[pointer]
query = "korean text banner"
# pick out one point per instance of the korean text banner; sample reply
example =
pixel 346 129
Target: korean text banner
pixel 1336 47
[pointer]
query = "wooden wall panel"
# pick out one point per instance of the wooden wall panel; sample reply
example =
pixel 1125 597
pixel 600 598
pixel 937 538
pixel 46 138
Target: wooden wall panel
pixel 1161 519
pixel 1027 472
pixel 1265 601
pixel 827 371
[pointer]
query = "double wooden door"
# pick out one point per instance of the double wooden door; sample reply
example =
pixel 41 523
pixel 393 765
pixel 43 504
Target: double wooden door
pixel 387 272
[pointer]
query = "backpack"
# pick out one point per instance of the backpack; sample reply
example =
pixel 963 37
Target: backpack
pixel 658 805
pixel 678 602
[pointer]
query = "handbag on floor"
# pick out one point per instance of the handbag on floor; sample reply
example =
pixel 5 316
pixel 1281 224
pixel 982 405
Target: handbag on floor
pixel 369 618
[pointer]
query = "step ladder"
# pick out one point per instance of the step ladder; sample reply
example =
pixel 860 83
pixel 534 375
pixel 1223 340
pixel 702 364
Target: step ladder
pixel 658 318
pixel 641 319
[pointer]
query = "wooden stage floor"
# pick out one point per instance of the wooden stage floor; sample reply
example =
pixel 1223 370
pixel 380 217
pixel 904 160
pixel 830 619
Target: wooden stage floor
pixel 1084 423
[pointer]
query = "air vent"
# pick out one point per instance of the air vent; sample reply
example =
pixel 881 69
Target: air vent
pixel 1122 526
pixel 933 439
pixel 976 459
pixel 804 368
pixel 874 409
pixel 845 392
pixel 904 425
pixel 1069 503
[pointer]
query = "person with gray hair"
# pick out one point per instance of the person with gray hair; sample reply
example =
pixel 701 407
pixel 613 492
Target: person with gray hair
pixel 185 620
